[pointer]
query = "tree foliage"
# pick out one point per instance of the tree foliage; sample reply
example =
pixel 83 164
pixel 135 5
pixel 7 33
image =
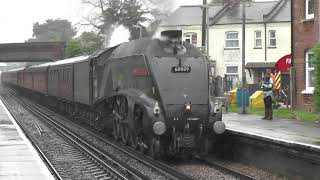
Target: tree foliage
pixel 160 8
pixel 316 63
pixel 53 30
pixel 112 13
pixel 87 43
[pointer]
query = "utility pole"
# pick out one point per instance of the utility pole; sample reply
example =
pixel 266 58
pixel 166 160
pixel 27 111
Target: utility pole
pixel 204 25
pixel 244 89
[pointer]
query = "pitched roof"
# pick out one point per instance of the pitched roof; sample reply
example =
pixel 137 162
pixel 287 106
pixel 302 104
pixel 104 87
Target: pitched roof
pixel 189 15
pixel 269 11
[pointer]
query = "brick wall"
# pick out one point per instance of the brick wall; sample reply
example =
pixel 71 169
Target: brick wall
pixel 305 37
pixel 308 102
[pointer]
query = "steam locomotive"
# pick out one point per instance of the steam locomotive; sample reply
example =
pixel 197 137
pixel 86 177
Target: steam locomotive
pixel 152 94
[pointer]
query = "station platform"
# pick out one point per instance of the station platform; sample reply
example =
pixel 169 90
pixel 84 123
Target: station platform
pixel 288 132
pixel 18 159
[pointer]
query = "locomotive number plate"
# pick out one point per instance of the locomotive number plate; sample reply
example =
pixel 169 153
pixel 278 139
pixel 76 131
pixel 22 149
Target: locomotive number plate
pixel 181 69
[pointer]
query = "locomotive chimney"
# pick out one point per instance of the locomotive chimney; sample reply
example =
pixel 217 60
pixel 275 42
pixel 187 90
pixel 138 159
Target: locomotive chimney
pixel 172 34
pixel 174 38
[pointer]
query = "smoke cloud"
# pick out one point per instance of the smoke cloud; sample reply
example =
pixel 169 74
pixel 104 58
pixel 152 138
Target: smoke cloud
pixel 161 8
pixel 120 35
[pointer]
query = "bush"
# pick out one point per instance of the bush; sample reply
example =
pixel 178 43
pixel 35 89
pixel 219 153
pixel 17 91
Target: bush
pixel 316 63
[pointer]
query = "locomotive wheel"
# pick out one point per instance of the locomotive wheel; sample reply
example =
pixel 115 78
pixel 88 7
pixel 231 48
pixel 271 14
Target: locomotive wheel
pixel 124 131
pixel 121 109
pixel 204 147
pixel 154 148
pixel 134 141
pixel 116 129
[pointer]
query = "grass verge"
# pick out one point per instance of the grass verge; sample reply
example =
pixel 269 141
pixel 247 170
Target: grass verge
pixel 282 114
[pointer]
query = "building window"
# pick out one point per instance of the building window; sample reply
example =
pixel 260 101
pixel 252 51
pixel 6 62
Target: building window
pixel 191 38
pixel 272 38
pixel 309 9
pixel 232 40
pixel 232 69
pixel 257 39
pixel 310 76
pixel 232 76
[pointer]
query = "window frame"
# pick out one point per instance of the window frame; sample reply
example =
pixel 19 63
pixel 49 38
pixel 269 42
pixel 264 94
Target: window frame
pixel 234 76
pixel 309 16
pixel 237 73
pixel 191 34
pixel 255 39
pixel 308 70
pixel 273 38
pixel 226 39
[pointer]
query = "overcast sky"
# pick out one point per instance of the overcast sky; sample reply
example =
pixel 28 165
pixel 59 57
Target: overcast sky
pixel 18 16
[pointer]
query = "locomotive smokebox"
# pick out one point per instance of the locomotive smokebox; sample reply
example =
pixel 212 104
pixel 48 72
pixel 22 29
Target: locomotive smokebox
pixel 173 38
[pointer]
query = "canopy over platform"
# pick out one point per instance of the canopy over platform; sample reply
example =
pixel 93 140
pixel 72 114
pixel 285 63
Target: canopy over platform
pixel 260 65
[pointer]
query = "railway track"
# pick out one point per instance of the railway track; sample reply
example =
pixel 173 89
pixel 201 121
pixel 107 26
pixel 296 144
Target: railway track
pixel 226 169
pixel 166 171
pixel 161 167
pixel 44 158
pixel 95 161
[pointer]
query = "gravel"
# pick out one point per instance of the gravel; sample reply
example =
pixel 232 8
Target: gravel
pixel 51 144
pixel 252 171
pixel 200 171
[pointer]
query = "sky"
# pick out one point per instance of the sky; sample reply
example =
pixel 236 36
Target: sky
pixel 17 16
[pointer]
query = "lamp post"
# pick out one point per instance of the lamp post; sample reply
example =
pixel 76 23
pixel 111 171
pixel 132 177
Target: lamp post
pixel 204 24
pixel 205 27
pixel 140 30
pixel 244 110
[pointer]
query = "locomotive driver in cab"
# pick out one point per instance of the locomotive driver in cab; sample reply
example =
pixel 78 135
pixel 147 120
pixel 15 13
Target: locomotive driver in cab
pixel 267 87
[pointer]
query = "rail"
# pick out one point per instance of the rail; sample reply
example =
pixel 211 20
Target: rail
pixel 156 165
pixel 96 154
pixel 41 154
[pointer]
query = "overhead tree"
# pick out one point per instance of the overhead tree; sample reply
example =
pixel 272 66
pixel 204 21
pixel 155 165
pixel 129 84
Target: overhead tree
pixel 160 8
pixel 316 64
pixel 53 30
pixel 73 48
pixel 112 13
pixel 87 43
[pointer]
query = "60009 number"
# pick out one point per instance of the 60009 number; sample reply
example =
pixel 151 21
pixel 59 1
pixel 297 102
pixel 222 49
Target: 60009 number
pixel 181 69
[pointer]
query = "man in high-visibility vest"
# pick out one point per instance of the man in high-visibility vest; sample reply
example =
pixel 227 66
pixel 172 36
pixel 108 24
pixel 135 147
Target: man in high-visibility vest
pixel 267 86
